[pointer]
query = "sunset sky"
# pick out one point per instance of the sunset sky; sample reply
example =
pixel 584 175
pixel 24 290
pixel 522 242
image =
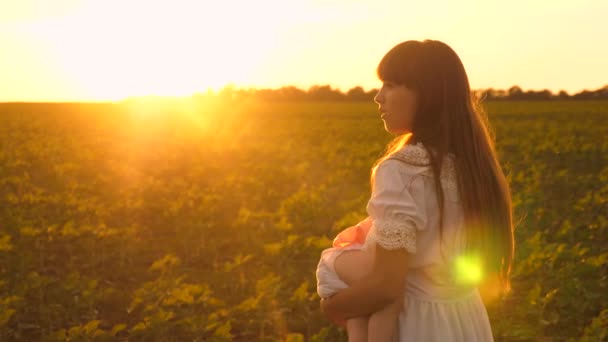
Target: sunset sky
pixel 82 50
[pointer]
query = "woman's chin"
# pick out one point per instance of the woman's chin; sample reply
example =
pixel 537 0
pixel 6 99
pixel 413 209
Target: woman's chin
pixel 396 131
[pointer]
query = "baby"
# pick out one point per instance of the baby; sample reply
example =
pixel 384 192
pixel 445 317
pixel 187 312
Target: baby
pixel 338 270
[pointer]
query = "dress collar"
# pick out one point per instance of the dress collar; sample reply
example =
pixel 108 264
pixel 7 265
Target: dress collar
pixel 417 155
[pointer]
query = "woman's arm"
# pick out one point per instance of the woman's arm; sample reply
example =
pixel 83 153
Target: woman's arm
pixel 397 216
pixel 381 287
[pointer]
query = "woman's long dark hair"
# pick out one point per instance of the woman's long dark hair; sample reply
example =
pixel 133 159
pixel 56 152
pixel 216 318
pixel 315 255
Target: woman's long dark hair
pixel 449 119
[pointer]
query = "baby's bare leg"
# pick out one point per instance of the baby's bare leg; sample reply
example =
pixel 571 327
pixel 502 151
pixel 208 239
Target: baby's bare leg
pixel 357 329
pixel 383 324
pixel 351 266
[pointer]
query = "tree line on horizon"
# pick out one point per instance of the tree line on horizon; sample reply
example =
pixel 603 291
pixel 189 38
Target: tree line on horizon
pixel 327 93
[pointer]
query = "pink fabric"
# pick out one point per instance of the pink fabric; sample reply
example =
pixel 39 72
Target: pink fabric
pixel 354 234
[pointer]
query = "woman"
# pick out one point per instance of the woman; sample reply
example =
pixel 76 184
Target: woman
pixel 436 247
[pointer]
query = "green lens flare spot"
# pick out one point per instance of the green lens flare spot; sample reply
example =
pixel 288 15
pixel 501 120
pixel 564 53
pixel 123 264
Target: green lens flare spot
pixel 468 269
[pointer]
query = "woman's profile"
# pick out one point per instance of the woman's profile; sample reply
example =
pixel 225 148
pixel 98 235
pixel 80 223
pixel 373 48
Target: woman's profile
pixel 439 235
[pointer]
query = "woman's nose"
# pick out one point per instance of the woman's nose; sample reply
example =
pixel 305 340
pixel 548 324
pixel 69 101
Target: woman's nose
pixel 377 98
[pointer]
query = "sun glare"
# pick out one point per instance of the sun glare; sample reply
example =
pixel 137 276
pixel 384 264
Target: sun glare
pixel 113 50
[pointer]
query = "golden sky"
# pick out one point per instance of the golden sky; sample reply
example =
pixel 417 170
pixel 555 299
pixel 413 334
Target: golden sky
pixel 82 50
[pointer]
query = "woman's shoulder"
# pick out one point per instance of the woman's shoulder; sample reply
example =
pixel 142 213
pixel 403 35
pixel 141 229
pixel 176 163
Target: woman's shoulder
pixel 415 154
pixel 415 157
pixel 404 165
pixel 414 160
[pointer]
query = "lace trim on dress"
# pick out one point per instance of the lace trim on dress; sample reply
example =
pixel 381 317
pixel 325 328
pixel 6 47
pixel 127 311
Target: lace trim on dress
pixel 393 234
pixel 417 155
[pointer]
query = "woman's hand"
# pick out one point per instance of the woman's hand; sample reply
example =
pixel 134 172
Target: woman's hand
pixel 326 311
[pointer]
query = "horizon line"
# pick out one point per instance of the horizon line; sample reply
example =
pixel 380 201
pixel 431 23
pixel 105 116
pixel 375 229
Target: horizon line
pixel 236 87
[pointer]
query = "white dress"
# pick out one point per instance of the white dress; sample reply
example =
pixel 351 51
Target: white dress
pixel 405 214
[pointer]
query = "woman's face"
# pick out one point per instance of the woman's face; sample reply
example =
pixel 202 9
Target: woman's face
pixel 397 104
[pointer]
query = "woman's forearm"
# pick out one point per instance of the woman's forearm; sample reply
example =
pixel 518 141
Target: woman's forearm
pixel 361 299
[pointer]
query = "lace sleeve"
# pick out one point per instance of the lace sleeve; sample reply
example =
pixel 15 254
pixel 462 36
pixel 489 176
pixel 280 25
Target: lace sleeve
pixel 395 213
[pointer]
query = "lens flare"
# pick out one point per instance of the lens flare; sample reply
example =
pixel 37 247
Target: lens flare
pixel 468 269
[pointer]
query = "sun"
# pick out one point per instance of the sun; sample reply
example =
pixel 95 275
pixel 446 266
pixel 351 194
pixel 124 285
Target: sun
pixel 113 50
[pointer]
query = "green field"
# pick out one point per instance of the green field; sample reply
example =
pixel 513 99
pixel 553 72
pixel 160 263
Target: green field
pixel 208 226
